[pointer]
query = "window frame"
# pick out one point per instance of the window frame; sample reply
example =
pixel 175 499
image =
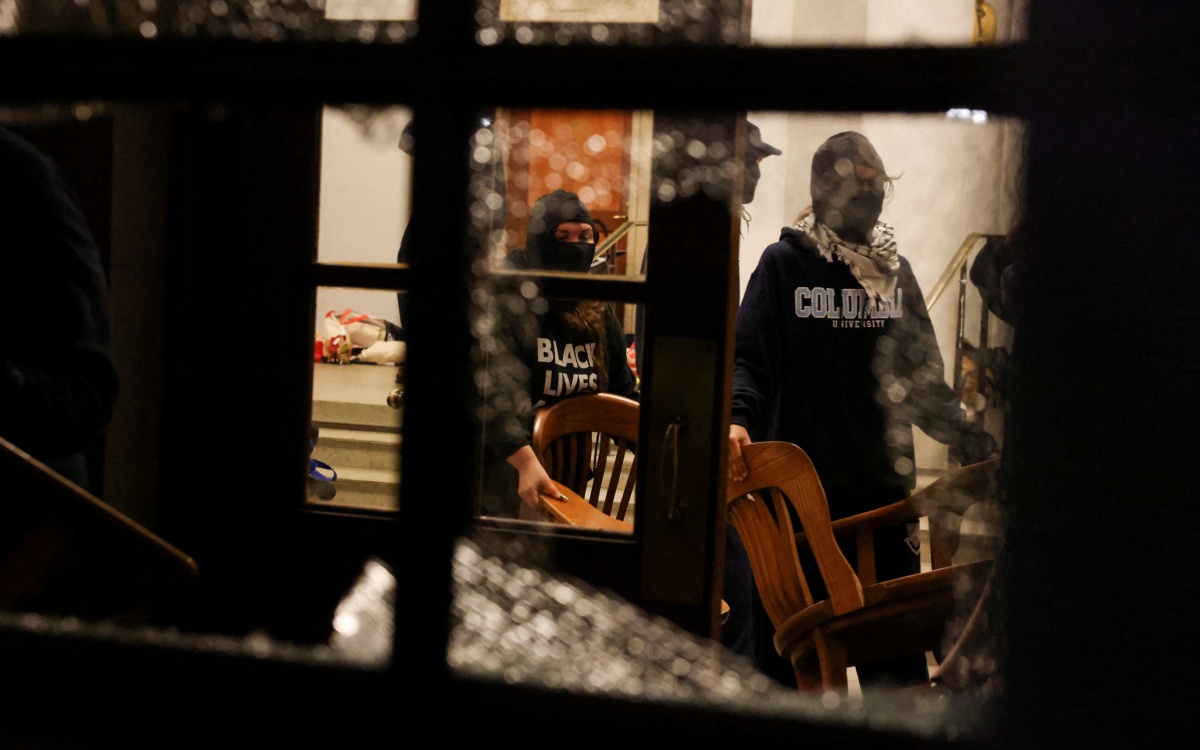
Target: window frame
pixel 1008 81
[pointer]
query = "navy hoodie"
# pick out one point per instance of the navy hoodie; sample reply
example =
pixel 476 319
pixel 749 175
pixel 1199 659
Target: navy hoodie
pixel 816 365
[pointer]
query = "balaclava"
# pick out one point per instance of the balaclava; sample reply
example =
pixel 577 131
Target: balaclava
pixel 548 253
pixel 838 202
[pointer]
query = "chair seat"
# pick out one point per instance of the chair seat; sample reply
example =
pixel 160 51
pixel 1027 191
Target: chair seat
pixel 912 610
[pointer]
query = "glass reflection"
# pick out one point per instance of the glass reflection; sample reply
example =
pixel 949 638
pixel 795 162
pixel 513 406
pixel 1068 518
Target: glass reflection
pixel 361 21
pixel 762 22
pixel 551 188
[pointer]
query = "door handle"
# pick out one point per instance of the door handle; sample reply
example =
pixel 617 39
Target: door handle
pixel 670 470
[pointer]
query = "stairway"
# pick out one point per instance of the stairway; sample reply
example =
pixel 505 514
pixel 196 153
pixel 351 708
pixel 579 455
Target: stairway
pixel 359 433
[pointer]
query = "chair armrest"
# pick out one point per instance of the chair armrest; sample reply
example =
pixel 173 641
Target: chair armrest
pixel 898 512
pixel 573 510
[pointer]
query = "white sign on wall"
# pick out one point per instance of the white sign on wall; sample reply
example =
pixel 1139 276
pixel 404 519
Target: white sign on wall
pixel 580 11
pixel 550 11
pixel 371 10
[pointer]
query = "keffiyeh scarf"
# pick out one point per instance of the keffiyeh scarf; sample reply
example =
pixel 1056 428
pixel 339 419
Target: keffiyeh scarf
pixel 875 266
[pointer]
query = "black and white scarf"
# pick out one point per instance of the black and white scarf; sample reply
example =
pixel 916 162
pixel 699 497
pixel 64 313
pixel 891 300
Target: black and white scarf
pixel 875 266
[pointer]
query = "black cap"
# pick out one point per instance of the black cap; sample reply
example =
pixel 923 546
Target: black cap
pixel 756 143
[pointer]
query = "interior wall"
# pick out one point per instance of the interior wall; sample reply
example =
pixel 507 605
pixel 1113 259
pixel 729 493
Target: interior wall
pixel 366 185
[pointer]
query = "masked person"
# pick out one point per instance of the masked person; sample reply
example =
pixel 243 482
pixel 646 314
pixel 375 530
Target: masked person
pixel 680 166
pixel 559 349
pixel 835 352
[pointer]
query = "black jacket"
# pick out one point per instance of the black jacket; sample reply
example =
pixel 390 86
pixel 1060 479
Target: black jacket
pixel 58 381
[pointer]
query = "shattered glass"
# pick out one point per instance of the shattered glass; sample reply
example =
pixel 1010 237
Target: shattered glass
pixel 521 625
pixel 365 21
pixel 539 22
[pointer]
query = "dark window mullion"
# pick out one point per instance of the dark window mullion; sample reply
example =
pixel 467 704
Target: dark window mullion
pixel 440 403
pixel 362 276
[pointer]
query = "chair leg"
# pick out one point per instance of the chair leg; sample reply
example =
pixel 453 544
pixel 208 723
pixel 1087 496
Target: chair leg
pixel 832 658
pixel 954 669
pixel 808 676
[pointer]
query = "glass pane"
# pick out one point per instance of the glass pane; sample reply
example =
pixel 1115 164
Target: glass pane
pixel 358 401
pixel 764 22
pixel 360 345
pixel 383 21
pixel 600 156
pixel 859 224
pixel 871 23
pixel 568 199
pixel 561 22
pixel 958 175
pixel 366 186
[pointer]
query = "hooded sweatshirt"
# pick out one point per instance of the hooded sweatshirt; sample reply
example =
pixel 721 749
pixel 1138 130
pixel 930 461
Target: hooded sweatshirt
pixel 819 364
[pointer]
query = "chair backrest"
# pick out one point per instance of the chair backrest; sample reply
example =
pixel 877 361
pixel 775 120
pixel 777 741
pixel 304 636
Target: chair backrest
pixel 589 444
pixel 781 474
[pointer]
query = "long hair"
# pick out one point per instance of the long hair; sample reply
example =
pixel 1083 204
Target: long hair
pixel 587 317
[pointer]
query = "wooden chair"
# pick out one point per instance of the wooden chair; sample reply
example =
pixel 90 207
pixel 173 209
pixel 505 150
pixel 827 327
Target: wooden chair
pixel 861 620
pixel 65 552
pixel 589 443
pixel 585 443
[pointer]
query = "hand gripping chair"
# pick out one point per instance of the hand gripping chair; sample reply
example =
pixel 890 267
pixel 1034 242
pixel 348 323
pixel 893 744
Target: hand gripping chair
pixel 862 620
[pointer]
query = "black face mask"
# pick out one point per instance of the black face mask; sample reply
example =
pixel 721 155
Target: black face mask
pixel 859 215
pixel 568 256
pixel 839 200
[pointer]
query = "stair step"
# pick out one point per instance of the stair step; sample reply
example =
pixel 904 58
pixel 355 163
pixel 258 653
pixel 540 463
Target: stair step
pixel 350 414
pixel 365 488
pixel 344 448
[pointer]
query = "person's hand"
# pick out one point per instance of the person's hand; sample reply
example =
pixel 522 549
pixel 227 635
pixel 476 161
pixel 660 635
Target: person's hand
pixel 737 462
pixel 532 477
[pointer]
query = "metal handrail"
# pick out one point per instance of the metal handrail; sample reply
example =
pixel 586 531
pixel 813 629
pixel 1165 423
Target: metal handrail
pixel 956 264
pixel 603 248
